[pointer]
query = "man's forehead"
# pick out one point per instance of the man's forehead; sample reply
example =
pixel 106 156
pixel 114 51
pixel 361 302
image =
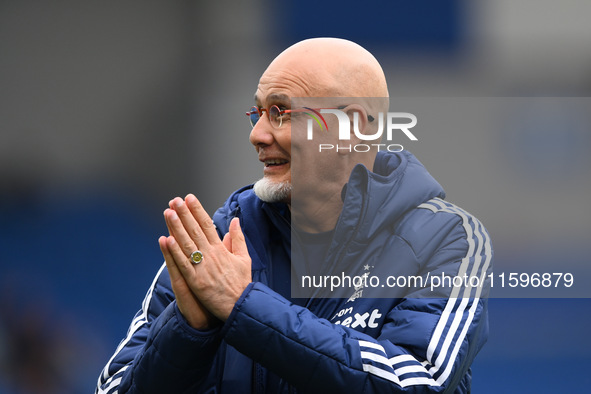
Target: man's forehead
pixel 273 98
pixel 283 80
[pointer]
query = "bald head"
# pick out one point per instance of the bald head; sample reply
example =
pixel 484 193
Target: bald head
pixel 332 67
pixel 327 73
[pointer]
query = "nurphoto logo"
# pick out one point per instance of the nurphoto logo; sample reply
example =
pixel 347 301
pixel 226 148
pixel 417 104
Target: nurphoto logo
pixel 390 125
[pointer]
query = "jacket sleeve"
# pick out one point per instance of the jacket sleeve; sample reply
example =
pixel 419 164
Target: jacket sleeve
pixel 161 352
pixel 426 344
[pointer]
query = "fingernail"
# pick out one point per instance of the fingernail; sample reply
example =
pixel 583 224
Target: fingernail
pixel 178 202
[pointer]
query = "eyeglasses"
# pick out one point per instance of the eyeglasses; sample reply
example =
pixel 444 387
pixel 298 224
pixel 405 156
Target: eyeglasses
pixel 277 116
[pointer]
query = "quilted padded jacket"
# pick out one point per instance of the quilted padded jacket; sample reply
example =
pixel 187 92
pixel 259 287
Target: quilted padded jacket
pixel 381 336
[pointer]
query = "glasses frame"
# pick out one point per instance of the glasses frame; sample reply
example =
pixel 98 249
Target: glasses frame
pixel 280 112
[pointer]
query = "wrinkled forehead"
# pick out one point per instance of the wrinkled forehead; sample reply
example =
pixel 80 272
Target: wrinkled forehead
pixel 280 83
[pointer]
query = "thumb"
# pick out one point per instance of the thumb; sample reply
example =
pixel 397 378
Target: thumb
pixel 237 237
pixel 227 241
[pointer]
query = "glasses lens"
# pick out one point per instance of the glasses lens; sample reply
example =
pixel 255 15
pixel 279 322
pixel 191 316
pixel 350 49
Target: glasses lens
pixel 254 115
pixel 275 116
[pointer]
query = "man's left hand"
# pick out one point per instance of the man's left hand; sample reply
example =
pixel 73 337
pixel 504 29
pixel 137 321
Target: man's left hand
pixel 219 280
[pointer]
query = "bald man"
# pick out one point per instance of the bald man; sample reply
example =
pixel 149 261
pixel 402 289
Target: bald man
pixel 221 315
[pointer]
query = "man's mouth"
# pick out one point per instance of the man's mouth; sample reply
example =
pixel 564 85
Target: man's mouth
pixel 274 162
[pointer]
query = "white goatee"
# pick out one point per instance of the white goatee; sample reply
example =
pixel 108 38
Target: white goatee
pixel 269 191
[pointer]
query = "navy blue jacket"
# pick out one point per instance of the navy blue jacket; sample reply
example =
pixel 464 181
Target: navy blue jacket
pixel 371 339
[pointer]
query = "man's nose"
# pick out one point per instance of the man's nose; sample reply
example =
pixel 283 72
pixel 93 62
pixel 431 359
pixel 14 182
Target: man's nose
pixel 262 132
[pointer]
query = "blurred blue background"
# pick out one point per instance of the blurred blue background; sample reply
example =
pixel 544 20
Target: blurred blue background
pixel 108 110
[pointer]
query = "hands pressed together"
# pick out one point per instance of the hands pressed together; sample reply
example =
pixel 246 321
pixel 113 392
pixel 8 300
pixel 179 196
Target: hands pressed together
pixel 205 292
